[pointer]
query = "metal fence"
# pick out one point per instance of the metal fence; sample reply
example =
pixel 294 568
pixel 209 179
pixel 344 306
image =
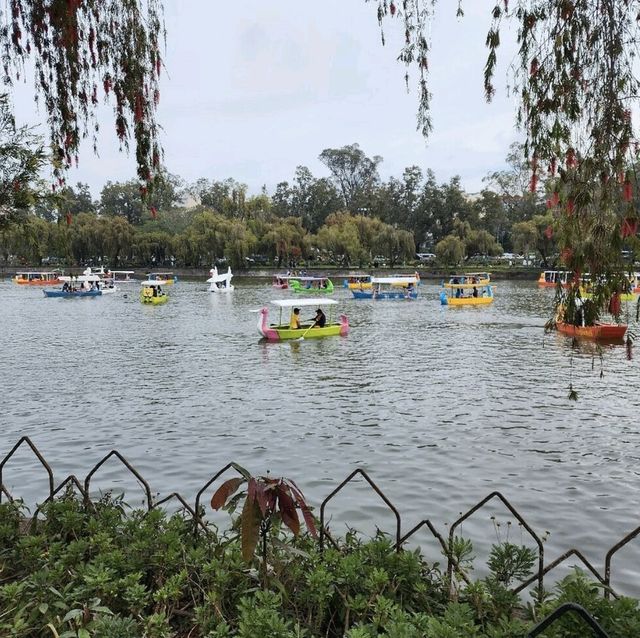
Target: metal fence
pixel 198 515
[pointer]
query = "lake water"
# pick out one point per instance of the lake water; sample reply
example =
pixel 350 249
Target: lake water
pixel 439 405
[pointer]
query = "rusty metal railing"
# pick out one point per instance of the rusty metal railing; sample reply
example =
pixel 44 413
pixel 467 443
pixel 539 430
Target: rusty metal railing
pixel 198 515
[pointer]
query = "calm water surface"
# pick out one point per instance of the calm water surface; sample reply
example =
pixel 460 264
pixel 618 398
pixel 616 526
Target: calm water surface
pixel 440 405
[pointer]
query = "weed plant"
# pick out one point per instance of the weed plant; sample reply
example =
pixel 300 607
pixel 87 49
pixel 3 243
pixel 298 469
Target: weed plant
pixel 105 571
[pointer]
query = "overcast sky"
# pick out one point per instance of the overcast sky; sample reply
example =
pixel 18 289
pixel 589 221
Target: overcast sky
pixel 253 89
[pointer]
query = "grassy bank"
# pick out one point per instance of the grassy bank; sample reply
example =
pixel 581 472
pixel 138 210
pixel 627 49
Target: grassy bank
pixel 106 571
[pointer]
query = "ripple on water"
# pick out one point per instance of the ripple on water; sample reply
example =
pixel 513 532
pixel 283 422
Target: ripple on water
pixel 440 405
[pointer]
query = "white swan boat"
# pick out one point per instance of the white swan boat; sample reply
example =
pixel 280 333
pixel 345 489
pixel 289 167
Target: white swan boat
pixel 220 282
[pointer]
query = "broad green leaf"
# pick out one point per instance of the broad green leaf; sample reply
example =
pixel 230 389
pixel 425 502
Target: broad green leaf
pixel 250 521
pixel 225 491
pixel 72 615
pixel 43 607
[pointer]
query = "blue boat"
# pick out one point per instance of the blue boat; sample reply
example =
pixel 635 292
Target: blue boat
pixel 389 288
pixel 58 292
pixel 85 285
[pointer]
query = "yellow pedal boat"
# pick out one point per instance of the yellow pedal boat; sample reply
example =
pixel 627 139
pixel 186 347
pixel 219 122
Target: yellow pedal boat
pixel 152 293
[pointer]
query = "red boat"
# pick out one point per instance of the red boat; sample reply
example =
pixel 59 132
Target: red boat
pixel 602 331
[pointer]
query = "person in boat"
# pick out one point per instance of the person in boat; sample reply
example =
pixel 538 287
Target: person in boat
pixel 475 291
pixel 294 321
pixel 320 319
pixel 65 287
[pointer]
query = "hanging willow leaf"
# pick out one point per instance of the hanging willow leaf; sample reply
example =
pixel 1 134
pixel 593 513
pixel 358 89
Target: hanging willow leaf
pixel 79 49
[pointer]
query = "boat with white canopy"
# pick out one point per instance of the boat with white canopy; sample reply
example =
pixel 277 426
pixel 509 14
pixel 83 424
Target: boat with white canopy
pixel 163 278
pixel 294 328
pixel 220 282
pixel 99 279
pixel 400 287
pixel 37 278
pixel 462 292
pixel 85 285
pixel 123 276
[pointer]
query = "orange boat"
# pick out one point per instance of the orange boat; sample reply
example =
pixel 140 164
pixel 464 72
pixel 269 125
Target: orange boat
pixel 37 278
pixel 550 278
pixel 601 331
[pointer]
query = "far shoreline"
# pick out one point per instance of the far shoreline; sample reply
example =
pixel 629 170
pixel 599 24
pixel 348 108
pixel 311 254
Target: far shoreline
pixel 498 272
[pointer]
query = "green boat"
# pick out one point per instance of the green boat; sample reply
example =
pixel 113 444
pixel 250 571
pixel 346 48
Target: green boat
pixel 282 331
pixel 311 285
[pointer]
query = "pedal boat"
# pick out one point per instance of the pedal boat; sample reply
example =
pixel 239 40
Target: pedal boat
pixel 152 293
pixel 282 332
pixel 551 278
pixel 357 282
pixel 37 278
pixel 163 278
pixel 281 282
pixel 311 285
pixel 87 285
pixel 462 294
pixel 599 331
pixel 220 283
pixel 399 287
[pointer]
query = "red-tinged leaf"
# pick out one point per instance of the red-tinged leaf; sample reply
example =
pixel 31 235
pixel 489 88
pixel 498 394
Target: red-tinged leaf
pixel 250 521
pixel 225 491
pixel 309 521
pixel 251 489
pixel 271 500
pixel 297 493
pixel 261 498
pixel 288 511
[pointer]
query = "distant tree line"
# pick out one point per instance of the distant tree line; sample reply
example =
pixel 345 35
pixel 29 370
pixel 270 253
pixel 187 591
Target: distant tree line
pixel 350 218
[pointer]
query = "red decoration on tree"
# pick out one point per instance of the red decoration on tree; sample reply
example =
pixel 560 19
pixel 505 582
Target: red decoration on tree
pixel 392 9
pixel 68 218
pixel 154 212
pixel 629 228
pixel 534 66
pixel 139 108
pixel 627 191
pixel 533 184
pixel 571 158
pixel 548 232
pixel 555 198
pixel 570 207
pixel 614 304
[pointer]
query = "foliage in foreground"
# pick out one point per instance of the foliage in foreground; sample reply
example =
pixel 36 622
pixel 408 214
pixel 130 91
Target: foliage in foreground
pixel 109 573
